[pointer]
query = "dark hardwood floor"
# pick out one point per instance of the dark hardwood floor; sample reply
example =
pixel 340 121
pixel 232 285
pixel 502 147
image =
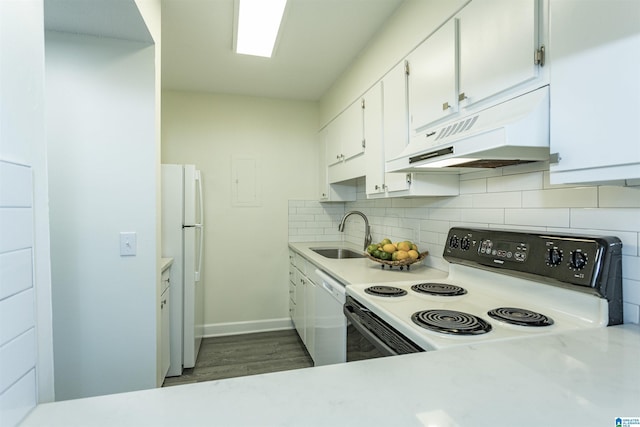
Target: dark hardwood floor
pixel 249 354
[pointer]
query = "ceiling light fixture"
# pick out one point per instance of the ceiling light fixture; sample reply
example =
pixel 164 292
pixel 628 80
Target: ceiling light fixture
pixel 257 26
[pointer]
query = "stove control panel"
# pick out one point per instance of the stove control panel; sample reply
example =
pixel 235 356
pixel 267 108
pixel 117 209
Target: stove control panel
pixel 502 249
pixel 565 259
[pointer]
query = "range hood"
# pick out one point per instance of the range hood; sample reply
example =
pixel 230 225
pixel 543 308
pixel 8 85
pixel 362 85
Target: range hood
pixel 512 132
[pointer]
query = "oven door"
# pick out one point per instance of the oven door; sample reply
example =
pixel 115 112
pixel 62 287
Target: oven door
pixel 369 337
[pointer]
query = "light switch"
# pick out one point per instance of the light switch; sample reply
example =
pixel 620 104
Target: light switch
pixel 128 243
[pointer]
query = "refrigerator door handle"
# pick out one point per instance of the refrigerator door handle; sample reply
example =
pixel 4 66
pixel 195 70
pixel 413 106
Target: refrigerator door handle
pixel 199 181
pixel 199 225
pixel 199 266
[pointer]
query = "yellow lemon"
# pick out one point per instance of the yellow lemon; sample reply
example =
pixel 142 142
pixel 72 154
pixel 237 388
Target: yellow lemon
pixel 389 248
pixel 402 255
pixel 404 246
pixel 413 254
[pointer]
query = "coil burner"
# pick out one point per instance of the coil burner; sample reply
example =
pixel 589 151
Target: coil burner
pixel 439 289
pixel 385 291
pixel 520 316
pixel 451 322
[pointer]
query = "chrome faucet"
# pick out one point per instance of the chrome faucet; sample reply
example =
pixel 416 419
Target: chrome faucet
pixel 367 229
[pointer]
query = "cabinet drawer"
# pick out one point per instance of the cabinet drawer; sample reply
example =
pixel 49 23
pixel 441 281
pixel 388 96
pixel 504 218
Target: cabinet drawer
pixel 300 263
pixel 165 279
pixel 292 291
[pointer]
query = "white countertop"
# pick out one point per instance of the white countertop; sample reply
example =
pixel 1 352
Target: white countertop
pixel 165 263
pixel 583 378
pixel 362 270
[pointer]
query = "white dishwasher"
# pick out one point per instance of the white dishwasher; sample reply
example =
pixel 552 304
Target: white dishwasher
pixel 331 323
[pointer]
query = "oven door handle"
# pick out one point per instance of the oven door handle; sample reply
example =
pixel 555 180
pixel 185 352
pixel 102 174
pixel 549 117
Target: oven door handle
pixel 370 336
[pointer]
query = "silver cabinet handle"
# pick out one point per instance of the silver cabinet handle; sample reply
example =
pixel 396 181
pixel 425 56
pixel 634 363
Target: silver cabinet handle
pixel 462 97
pixel 445 106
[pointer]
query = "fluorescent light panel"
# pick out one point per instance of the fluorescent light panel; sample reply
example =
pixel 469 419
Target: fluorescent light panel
pixel 258 25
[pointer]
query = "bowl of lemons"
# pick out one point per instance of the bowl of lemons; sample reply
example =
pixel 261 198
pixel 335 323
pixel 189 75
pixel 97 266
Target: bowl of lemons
pixel 399 254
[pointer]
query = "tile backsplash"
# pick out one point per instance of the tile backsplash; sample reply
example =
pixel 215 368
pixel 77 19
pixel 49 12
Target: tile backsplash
pixel 516 198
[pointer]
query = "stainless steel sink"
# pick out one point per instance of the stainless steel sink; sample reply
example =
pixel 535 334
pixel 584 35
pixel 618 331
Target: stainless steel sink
pixel 337 253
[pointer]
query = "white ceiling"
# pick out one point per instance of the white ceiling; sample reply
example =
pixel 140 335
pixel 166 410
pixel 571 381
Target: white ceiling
pixel 318 41
pixel 104 18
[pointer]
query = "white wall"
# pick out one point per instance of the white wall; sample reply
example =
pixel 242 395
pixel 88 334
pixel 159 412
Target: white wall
pixel 245 264
pixel 100 96
pixel 26 356
pixel 151 12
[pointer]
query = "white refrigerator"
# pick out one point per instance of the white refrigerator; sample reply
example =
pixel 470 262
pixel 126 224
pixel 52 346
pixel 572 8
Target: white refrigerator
pixel 182 240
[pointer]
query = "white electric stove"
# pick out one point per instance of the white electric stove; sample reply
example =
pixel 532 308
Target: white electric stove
pixel 501 285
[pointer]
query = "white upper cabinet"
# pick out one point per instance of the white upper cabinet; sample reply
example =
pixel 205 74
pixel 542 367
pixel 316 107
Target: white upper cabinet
pixel 373 140
pixel 331 192
pixel 498 42
pixel 352 130
pixel 345 136
pixel 395 123
pixel 488 49
pixel 432 79
pixel 345 146
pixel 595 90
pixel 323 180
pixel 394 117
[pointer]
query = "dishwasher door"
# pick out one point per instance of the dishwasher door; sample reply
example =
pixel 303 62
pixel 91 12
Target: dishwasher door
pixel 331 323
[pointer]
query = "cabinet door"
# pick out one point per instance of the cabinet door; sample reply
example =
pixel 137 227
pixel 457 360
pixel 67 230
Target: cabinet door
pixel 351 127
pixel 333 145
pixel 395 118
pixel 373 140
pixel 299 315
pixel 595 90
pixel 433 88
pixel 323 182
pixel 498 40
pixel 310 316
pixel 165 346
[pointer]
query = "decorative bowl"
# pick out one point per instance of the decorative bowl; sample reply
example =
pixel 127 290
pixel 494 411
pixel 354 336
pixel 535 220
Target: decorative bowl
pixel 400 264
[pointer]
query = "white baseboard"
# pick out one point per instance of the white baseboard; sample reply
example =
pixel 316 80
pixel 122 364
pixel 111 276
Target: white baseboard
pixel 238 328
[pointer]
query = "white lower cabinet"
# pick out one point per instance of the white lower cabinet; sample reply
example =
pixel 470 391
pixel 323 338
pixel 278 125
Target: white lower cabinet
pixel 165 325
pixel 298 314
pixel 309 316
pixel 302 294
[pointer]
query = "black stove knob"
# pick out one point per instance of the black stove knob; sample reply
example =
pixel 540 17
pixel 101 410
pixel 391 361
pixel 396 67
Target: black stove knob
pixel 453 241
pixel 578 260
pixel 554 256
pixel 465 243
